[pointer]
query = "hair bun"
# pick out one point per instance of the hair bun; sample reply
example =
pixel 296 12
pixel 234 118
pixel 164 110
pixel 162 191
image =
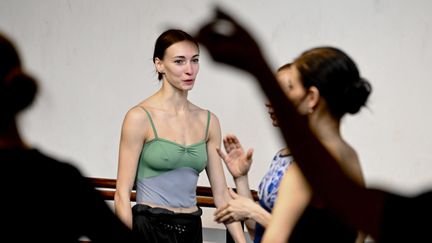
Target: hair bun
pixel 357 95
pixel 17 92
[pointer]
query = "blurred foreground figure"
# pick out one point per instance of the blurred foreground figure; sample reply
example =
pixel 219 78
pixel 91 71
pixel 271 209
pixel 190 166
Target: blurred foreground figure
pixel 45 200
pixel 387 217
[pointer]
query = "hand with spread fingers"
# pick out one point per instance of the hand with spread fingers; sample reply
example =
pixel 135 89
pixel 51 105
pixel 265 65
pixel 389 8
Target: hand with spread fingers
pixel 242 206
pixel 237 161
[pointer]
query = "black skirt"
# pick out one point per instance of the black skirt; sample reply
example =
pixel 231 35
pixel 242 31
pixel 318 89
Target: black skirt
pixel 163 225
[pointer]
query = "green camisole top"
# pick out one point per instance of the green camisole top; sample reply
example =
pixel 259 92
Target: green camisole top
pixel 161 155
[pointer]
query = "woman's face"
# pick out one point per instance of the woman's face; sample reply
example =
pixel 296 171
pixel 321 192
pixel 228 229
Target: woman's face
pixel 292 86
pixel 271 113
pixel 180 65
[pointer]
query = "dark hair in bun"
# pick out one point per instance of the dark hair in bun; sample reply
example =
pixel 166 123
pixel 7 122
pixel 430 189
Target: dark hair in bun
pixel 337 78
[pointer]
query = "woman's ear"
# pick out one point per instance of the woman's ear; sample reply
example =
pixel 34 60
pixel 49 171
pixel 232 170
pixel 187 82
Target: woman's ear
pixel 159 65
pixel 313 98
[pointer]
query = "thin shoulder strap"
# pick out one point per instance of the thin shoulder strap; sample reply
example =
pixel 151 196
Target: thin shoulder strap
pixel 151 121
pixel 208 124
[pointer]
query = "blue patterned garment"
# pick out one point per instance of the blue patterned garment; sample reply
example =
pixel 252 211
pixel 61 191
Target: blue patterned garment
pixel 268 188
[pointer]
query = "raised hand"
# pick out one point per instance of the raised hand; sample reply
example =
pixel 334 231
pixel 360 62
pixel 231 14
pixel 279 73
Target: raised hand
pixel 237 161
pixel 228 42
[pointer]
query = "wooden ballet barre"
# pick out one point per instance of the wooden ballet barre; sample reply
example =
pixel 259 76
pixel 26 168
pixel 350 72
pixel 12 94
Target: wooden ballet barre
pixel 204 195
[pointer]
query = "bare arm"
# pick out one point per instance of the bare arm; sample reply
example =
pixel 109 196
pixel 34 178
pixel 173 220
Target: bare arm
pixel 243 189
pixel 256 212
pixel 294 195
pixel 216 176
pixel 238 163
pixel 131 142
pixel 241 208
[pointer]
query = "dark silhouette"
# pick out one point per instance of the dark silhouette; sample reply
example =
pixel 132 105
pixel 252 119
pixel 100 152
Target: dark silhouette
pixel 44 199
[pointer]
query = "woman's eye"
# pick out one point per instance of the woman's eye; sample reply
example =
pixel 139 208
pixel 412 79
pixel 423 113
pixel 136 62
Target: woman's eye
pixel 290 85
pixel 178 61
pixel 195 60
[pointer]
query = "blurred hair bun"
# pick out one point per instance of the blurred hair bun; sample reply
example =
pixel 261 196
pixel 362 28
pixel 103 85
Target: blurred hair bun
pixel 17 89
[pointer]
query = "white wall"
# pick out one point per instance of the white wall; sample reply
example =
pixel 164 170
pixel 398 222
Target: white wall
pixel 93 60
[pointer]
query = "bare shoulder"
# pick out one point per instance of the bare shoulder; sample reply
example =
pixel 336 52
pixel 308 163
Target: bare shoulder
pixel 213 119
pixel 203 114
pixel 213 116
pixel 136 113
pixel 350 155
pixel 350 163
pixel 136 118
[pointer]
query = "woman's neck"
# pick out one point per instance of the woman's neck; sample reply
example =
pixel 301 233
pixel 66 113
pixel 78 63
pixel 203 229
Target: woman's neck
pixel 171 100
pixel 327 129
pixel 324 125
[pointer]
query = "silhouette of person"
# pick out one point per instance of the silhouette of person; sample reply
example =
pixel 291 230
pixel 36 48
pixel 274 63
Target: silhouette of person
pixel 45 199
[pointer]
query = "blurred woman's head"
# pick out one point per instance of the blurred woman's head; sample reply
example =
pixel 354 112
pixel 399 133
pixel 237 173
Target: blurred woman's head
pixel 17 89
pixel 282 76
